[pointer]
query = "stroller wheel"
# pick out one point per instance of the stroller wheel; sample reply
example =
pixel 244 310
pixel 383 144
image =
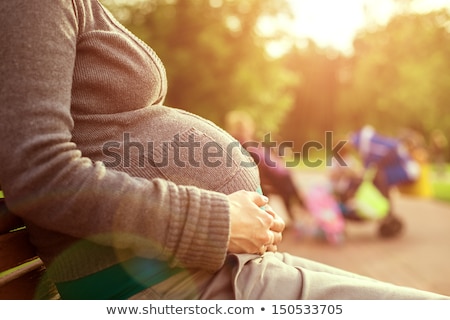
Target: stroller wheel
pixel 390 227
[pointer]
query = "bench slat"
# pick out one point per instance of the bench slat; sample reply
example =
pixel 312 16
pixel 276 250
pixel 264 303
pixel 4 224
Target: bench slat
pixel 8 221
pixel 23 287
pixel 15 273
pixel 15 249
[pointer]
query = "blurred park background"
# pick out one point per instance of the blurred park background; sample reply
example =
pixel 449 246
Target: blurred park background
pixel 222 55
pixel 301 68
pixel 386 63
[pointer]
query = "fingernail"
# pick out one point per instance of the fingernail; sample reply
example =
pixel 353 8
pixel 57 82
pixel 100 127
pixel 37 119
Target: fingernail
pixel 265 199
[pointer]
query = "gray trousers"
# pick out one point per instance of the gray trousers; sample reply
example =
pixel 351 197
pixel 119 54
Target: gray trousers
pixel 278 276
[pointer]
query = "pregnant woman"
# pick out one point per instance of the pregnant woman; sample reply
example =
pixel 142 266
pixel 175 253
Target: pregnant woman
pixel 123 197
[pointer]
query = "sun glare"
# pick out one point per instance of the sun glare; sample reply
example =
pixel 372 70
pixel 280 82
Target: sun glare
pixel 333 23
pixel 328 23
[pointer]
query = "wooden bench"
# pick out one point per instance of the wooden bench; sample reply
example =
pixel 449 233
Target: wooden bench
pixel 22 273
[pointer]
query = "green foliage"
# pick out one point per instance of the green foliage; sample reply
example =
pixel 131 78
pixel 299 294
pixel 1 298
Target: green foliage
pixel 315 97
pixel 214 59
pixel 401 75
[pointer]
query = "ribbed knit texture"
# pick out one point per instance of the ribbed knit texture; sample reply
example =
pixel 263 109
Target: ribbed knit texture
pixel 78 94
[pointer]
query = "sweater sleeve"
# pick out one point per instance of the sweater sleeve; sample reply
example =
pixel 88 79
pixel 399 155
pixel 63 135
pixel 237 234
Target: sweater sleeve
pixel 46 179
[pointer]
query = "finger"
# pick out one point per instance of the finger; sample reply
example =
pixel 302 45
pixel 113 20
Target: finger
pixel 272 248
pixel 278 225
pixel 262 250
pixel 266 218
pixel 270 210
pixel 259 199
pixel 278 236
pixel 271 237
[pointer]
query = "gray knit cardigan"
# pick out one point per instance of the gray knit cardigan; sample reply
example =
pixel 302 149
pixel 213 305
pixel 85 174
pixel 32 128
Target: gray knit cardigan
pixel 90 158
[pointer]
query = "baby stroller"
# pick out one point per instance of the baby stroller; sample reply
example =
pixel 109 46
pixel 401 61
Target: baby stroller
pixel 362 201
pixel 329 222
pixel 386 164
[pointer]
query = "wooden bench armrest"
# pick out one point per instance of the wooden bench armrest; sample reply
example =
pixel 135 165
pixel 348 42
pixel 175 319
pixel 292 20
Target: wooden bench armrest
pixel 15 273
pixel 22 272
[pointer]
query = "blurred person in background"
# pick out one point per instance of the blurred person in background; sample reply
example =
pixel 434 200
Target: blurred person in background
pixel 276 178
pixel 393 166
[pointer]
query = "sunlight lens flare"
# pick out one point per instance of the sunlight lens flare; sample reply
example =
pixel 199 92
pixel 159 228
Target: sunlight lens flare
pixel 334 24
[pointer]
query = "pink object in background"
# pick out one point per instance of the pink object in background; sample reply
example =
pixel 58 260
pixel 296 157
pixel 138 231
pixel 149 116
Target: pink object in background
pixel 325 209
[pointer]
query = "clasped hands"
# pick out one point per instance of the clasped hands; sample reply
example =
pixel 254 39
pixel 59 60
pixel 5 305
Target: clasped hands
pixel 255 227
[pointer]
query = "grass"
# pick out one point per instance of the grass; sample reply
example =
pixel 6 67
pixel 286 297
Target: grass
pixel 441 190
pixel 441 184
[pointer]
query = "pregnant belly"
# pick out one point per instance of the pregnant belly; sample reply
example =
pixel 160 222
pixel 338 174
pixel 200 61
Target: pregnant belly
pixel 178 146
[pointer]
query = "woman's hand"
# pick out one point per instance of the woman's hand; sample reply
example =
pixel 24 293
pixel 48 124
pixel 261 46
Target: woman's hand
pixel 277 229
pixel 253 230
